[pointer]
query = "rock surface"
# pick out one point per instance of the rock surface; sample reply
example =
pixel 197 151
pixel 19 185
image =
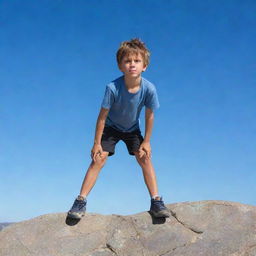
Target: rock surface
pixel 207 228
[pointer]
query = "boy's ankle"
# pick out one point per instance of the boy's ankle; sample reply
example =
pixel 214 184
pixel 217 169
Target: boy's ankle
pixel 156 197
pixel 83 198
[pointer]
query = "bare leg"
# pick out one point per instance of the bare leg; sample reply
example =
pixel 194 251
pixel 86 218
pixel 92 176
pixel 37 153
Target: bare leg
pixel 92 174
pixel 148 173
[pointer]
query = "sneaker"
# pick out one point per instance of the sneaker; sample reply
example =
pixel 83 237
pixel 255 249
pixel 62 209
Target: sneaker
pixel 78 209
pixel 158 209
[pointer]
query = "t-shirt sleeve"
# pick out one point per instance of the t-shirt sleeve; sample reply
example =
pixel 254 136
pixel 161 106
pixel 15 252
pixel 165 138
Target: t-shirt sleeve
pixel 108 98
pixel 152 101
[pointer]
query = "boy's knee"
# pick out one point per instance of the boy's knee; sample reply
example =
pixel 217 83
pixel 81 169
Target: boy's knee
pixel 101 159
pixel 144 160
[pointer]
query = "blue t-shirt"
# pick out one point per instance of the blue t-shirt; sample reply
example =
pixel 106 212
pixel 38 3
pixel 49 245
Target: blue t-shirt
pixel 125 107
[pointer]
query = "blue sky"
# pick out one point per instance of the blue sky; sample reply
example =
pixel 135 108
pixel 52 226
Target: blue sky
pixel 56 59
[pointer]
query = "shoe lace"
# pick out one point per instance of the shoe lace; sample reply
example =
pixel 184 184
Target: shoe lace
pixel 80 204
pixel 159 204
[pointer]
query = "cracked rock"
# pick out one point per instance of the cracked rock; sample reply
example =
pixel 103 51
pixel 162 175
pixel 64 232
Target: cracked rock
pixel 207 228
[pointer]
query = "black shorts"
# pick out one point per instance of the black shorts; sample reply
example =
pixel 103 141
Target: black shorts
pixel 111 136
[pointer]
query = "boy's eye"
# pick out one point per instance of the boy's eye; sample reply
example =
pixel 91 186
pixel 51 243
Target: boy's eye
pixel 129 61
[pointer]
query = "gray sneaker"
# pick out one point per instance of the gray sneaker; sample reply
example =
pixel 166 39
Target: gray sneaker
pixel 78 209
pixel 158 209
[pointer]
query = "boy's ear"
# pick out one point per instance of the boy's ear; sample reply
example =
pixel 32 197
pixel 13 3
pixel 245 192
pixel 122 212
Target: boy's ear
pixel 144 69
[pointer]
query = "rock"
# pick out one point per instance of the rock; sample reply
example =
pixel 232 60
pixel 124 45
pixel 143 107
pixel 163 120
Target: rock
pixel 207 228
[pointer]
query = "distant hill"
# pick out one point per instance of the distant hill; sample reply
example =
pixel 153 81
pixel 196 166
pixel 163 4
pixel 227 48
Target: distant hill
pixel 4 224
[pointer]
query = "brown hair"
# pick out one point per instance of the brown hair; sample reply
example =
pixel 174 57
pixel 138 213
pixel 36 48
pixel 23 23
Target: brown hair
pixel 134 46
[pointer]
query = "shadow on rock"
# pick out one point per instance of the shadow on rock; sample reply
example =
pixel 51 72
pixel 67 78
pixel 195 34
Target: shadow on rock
pixel 157 220
pixel 71 222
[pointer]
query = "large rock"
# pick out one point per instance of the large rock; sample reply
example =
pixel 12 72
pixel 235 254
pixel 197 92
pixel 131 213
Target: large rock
pixel 208 228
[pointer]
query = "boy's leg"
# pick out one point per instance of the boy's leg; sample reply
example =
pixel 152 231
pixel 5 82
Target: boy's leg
pixel 92 173
pixel 158 209
pixel 79 206
pixel 133 141
pixel 108 141
pixel 148 174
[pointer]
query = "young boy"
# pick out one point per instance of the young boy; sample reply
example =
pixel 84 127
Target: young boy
pixel 119 120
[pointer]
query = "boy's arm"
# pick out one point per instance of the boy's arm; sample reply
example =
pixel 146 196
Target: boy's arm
pixel 97 149
pixel 145 146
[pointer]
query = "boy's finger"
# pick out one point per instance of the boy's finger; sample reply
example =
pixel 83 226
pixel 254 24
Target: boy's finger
pixel 95 155
pixel 148 154
pixel 141 153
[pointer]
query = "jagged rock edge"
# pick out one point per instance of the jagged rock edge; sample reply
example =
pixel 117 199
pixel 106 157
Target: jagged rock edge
pixel 111 248
pixel 174 214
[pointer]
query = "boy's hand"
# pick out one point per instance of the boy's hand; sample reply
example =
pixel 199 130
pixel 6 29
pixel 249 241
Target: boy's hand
pixel 145 148
pixel 96 150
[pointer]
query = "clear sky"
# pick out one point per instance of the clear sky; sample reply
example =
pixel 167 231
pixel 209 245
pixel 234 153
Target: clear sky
pixel 56 58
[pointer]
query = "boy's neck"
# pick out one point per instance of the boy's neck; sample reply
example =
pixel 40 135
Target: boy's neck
pixel 132 82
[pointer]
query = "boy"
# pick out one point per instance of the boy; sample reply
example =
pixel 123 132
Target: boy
pixel 119 120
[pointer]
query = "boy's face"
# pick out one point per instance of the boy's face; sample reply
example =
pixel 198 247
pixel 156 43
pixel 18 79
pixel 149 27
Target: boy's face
pixel 132 65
